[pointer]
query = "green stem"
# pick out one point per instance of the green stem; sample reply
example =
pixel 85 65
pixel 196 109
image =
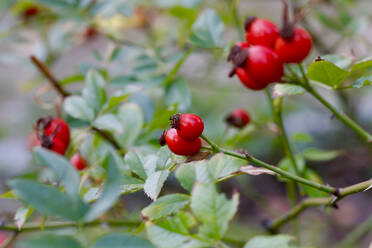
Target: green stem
pixel 344 118
pixel 319 201
pixel 277 113
pixel 58 225
pixel 283 173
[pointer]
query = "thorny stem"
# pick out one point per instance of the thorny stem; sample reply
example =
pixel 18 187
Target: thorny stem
pixel 53 81
pixel 215 148
pixel 57 225
pixel 274 226
pixel 366 136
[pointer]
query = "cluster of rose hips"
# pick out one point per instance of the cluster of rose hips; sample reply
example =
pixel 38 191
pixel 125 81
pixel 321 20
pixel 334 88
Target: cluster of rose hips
pixel 54 134
pixel 183 138
pixel 259 61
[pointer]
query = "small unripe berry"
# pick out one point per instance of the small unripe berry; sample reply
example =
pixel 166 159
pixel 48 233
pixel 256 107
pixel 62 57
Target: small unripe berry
pixel 78 162
pixel 238 118
pixel 180 146
pixel 188 126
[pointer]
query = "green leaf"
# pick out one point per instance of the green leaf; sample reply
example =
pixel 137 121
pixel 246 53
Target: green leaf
pixel 170 78
pixel 48 200
pixel 341 61
pixel 165 205
pixel 72 79
pixel 61 167
pixel 111 191
pixel 302 138
pixel 310 191
pixel 315 154
pixel 173 233
pixel 109 122
pixel 132 119
pixel 207 30
pixel 186 176
pixel 154 183
pixel 94 91
pixel 8 195
pixel 118 240
pixel 277 241
pixel 287 90
pixel 47 240
pixel 133 160
pixel 363 81
pixel 163 158
pixel 365 63
pixel 178 92
pixel 213 210
pixel 113 102
pixel 77 107
pixel 327 73
pixel 22 215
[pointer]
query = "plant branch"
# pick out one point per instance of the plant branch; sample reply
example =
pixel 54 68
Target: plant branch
pixel 53 81
pixel 58 225
pixel 107 137
pixel 274 226
pixel 277 114
pixel 366 136
pixel 283 173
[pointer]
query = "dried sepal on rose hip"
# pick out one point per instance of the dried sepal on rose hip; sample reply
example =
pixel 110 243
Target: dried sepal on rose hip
pixel 294 43
pixel 260 31
pixel 78 162
pixel 189 126
pixel 238 118
pixel 178 145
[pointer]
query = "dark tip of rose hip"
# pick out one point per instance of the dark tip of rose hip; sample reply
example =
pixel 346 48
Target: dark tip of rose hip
pixel 248 21
pixel 233 52
pixel 42 123
pixel 287 32
pixel 175 121
pixel 232 71
pixel 162 138
pixel 319 59
pixel 46 141
pixel 241 58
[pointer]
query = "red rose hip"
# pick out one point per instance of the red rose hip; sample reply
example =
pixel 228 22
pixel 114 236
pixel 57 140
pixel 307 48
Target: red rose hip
pixel 55 126
pixel 295 48
pixel 78 162
pixel 188 126
pixel 238 118
pixel 260 31
pixel 263 65
pixel 180 146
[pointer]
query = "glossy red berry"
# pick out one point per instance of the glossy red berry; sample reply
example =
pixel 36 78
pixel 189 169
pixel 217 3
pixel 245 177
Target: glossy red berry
pixel 78 162
pixel 246 80
pixel 180 146
pixel 58 127
pixel 57 146
pixel 294 49
pixel 188 126
pixel 238 118
pixel 260 31
pixel 263 65
pixel 31 11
